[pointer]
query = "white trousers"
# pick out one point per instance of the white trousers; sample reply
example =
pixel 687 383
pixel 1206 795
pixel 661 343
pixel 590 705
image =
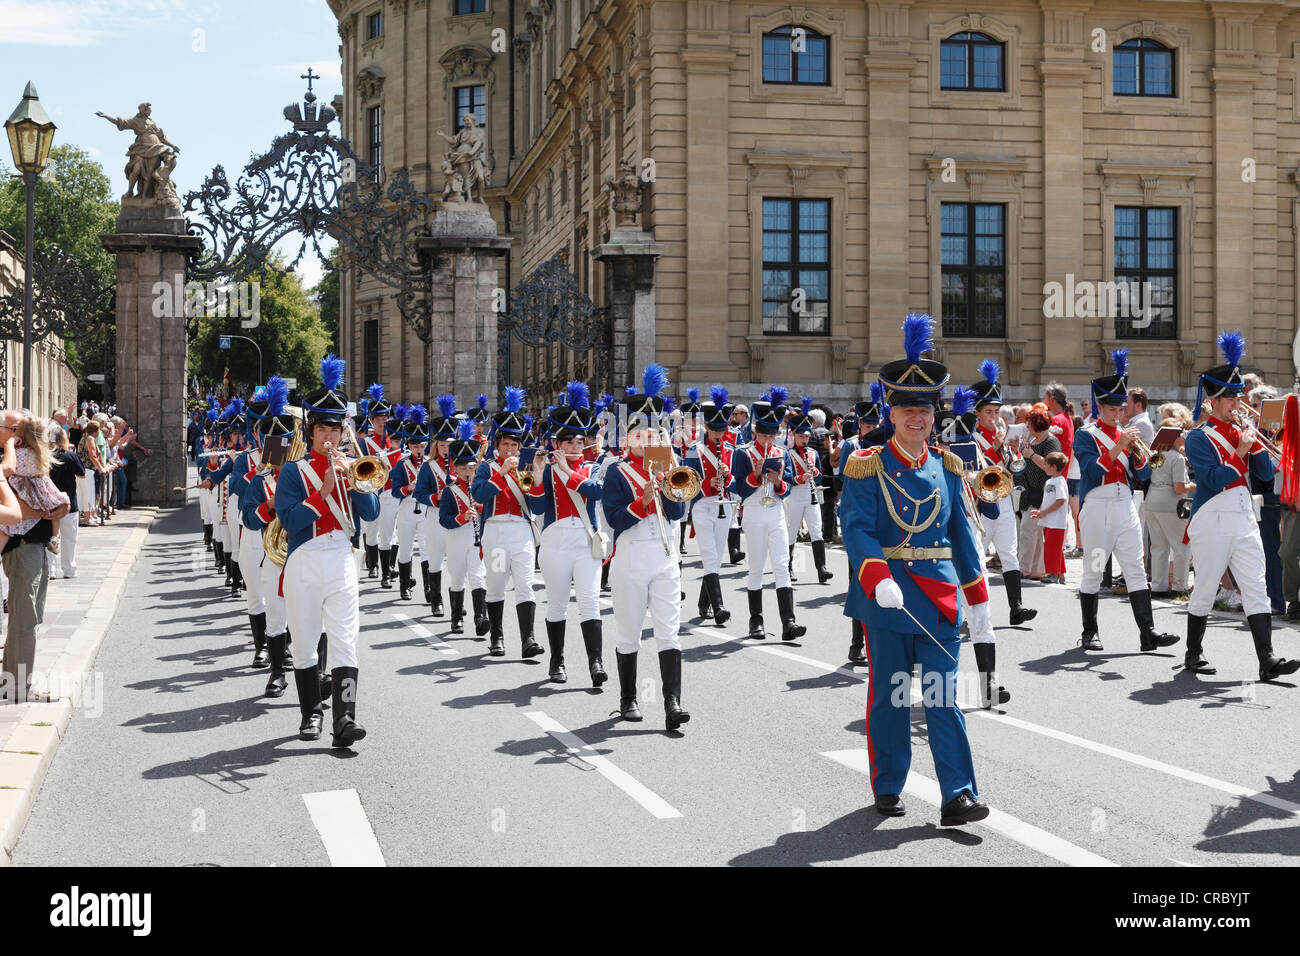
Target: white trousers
pixel 67 531
pixel 251 552
pixel 464 562
pixel 220 529
pixel 567 564
pixel 765 536
pixel 1002 534
pixel 1108 524
pixel 269 573
pixel 508 553
pixel 434 545
pixel 1224 535
pixel 799 507
pixel 320 594
pixel 205 500
pixel 643 578
pixel 711 532
pixel 1166 530
pixel 408 522
pixel 387 520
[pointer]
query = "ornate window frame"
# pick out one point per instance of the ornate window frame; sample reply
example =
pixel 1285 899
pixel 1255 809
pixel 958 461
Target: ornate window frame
pixel 979 180
pixel 797 16
pixel 1180 41
pixel 370 84
pixel 467 64
pixel 370 44
pixel 1005 33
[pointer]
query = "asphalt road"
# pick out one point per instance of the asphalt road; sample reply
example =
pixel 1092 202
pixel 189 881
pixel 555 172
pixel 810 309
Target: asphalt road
pixel 1114 757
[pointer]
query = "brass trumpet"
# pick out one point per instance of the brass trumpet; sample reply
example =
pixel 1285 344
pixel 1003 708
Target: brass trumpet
pixel 992 483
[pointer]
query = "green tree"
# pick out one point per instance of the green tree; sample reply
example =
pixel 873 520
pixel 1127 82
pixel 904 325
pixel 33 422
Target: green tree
pixel 326 295
pixel 290 333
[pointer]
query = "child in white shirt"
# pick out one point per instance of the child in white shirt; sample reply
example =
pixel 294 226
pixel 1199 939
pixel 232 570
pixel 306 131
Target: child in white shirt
pixel 1052 516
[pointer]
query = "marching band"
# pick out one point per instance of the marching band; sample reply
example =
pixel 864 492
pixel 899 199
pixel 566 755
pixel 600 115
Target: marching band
pixel 600 496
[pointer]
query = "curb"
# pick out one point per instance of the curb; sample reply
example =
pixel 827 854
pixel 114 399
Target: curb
pixel 30 750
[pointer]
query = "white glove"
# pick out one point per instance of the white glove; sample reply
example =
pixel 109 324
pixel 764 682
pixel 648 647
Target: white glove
pixel 888 594
pixel 981 625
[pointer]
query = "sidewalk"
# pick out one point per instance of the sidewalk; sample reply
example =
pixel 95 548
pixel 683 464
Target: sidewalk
pixel 77 616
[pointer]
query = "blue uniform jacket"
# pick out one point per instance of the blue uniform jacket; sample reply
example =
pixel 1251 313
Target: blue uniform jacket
pixel 693 459
pixel 622 505
pixel 485 492
pixel 1213 474
pixel 929 585
pixel 449 510
pixel 741 469
pixel 543 503
pixel 299 518
pixel 1091 472
pixel 239 474
pixel 250 504
pixel 428 489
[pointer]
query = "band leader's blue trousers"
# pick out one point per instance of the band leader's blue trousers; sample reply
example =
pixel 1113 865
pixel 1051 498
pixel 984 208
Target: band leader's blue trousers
pixel 889 711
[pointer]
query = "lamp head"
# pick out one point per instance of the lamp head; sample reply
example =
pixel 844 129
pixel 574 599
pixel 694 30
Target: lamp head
pixel 31 133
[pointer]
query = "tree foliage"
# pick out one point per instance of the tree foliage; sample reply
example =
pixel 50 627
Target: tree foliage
pixel 326 294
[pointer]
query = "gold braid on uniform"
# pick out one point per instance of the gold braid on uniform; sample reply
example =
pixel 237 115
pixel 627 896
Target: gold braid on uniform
pixel 865 466
pixel 954 463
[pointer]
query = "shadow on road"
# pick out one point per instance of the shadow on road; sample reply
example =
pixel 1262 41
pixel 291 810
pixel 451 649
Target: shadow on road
pixel 852 835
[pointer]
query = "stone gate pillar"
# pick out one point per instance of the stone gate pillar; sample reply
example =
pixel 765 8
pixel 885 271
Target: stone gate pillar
pixel 464 252
pixel 152 246
pixel 629 259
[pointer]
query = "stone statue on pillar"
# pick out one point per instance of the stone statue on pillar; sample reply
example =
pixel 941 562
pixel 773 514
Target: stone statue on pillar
pixel 465 167
pixel 626 187
pixel 144 157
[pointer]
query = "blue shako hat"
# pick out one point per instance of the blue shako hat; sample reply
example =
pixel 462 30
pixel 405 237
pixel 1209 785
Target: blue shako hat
pixel 1222 380
pixel 692 404
pixel 870 411
pixel 255 409
pixel 1112 389
pixel 768 411
pixel 957 424
pixel 479 412
pixel 396 424
pixel 443 427
pixel 329 403
pixel 417 424
pixel 988 391
pixel 646 406
pixel 717 410
pixel 511 420
pixel 803 420
pixel 378 404
pixel 914 380
pixel 464 447
pixel 278 421
pixel 573 417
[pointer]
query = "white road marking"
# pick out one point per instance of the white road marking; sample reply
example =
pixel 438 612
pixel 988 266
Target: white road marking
pixel 1026 834
pixel 341 821
pixel 657 805
pixel 429 637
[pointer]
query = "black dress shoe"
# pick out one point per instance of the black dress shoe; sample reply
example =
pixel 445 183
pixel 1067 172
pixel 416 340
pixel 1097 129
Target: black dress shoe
pixel 1293 611
pixel 1198 665
pixel 1091 643
pixel 961 810
pixel 1019 615
pixel 890 804
pixel 311 725
pixel 1154 641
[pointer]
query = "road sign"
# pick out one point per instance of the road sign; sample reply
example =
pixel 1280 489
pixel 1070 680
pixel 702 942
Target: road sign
pixel 225 341
pixel 290 382
pixel 95 378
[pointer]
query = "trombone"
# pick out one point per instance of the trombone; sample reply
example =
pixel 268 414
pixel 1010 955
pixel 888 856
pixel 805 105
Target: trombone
pixel 1247 417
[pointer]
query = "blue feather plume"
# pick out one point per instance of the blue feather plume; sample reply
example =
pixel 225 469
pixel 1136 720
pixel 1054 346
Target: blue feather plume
pixel 605 403
pixel 418 414
pixel 777 394
pixel 259 393
pixel 963 400
pixel 669 404
pixel 277 395
pixel 399 413
pixel 806 405
pixel 363 406
pixel 482 402
pixel 693 395
pixel 629 391
pixel 212 402
pixel 447 405
pixel 375 391
pixel 331 371
pixel 466 430
pixel 989 369
pixel 1119 358
pixel 719 394
pixel 877 392
pixel 514 398
pixel 579 396
pixel 655 379
pixel 918 335
pixel 212 415
pixel 528 423
pixel 1233 347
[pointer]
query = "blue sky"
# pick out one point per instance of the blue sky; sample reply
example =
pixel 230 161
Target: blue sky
pixel 218 73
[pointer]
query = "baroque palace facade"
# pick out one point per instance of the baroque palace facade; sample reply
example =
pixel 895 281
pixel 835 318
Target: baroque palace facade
pixel 811 173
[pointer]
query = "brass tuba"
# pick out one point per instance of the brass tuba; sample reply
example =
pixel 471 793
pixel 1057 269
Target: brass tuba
pixel 680 484
pixel 275 540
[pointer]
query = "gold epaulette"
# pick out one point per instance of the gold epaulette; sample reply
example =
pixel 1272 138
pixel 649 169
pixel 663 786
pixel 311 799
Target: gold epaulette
pixel 953 463
pixel 864 466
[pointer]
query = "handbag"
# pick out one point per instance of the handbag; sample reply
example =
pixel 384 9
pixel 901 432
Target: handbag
pixel 601 544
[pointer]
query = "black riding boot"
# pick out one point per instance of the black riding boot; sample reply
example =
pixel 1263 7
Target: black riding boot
pixel 627 708
pixel 857 643
pixel 706 611
pixel 524 611
pixel 288 650
pixel 385 568
pixel 276 684
pixel 217 555
pixel 227 566
pixel 405 580
pixel 1090 641
pixel 1019 613
pixel 497 640
pixel 424 577
pixel 237 579
pixel 433 590
pixel 346 729
pixel 789 564
pixel 785 606
pixel 481 623
pixel 819 559
pixel 1194 660
pixel 733 546
pixel 720 614
pixel 604 577
pixel 457 611
pixel 322 665
pixel 258 623
pixel 592 639
pixel 207 537
pixel 392 559
pixel 670 674
pixel 1271 666
pixel 986 664
pixel 756 614
pixel 372 560
pixel 313 718
pixel 555 638
pixel 1140 601
pixel 681 545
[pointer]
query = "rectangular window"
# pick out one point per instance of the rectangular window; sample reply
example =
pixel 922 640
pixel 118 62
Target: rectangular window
pixel 802 58
pixel 374 26
pixel 375 125
pixel 796 266
pixel 370 353
pixel 1145 302
pixel 470 6
pixel 971 61
pixel 973 256
pixel 471 99
pixel 1142 67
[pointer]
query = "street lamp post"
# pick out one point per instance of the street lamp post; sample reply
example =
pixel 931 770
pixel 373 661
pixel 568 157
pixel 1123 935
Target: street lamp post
pixel 31 132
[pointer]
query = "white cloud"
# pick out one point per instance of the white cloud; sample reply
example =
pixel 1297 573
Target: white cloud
pixel 79 23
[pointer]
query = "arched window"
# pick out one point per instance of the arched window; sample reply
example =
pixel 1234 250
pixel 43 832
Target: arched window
pixel 796 55
pixel 1143 67
pixel 972 61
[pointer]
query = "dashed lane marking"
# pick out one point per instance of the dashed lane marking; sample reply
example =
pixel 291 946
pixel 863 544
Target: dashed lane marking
pixel 344 828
